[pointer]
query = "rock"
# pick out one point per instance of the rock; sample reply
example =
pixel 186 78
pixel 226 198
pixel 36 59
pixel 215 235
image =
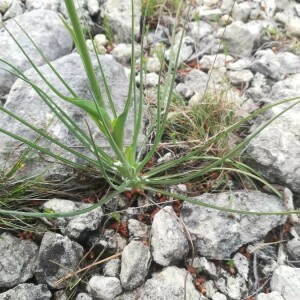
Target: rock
pixel 275 66
pixel 169 243
pixel 269 7
pixel 241 11
pixel 17 260
pixel 219 296
pixel 100 40
pixel 293 27
pixel 170 283
pixel 263 251
pixel 27 291
pixel 241 263
pixel 195 82
pixel 239 65
pixel 225 20
pixel 4 5
pixel 83 296
pixel 129 295
pixel 102 287
pixel 269 296
pixel 198 30
pixel 149 80
pixel 78 226
pixel 122 53
pixel 203 265
pixel 186 51
pixel 214 61
pixel 273 153
pixel 293 250
pixel 137 230
pixel 58 256
pixel 54 5
pixel 32 109
pixel 45 28
pixel 232 286
pixel 210 3
pixel 217 234
pixel 93 7
pixel 240 38
pixel 286 281
pixel 206 14
pixel 110 240
pixel 240 77
pixel 153 65
pixel 17 8
pixel 112 268
pixel 119 15
pixel 135 265
pixel 210 288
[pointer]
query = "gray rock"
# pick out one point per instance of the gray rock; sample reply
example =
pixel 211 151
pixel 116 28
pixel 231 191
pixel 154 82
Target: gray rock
pixel 219 296
pixel 195 82
pixel 47 31
pixel 198 30
pixel 135 265
pixel 129 295
pixel 232 286
pixel 153 65
pixel 210 288
pixel 286 281
pixel 58 256
pixel 118 13
pixel 241 263
pixel 170 283
pixel 149 80
pixel 293 27
pixel 122 53
pixel 241 11
pixel 293 250
pixel 240 77
pixel 269 296
pixel 207 14
pixel 203 265
pixel 17 260
pixel 275 151
pixel 214 61
pixel 33 110
pixel 263 251
pixel 83 296
pixel 102 287
pixel 137 230
pixel 17 8
pixel 240 64
pixel 27 291
pixel 100 40
pixel 168 242
pixel 54 5
pixel 217 234
pixel 275 66
pixel 112 268
pixel 93 7
pixel 4 5
pixel 241 38
pixel 186 51
pixel 74 227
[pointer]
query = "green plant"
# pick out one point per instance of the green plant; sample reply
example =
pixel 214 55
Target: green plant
pixel 125 170
pixel 108 32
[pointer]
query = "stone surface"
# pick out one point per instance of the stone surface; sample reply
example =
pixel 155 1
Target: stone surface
pixel 219 296
pixel 118 13
pixel 47 31
pixel 122 53
pixel 241 38
pixel 149 80
pixel 135 264
pixel 198 30
pixel 275 151
pixel 217 234
pixel 33 110
pixel 137 229
pixel 214 61
pixel 78 226
pixel 112 268
pixel 195 82
pixel 170 283
pixel 240 77
pixel 101 287
pixel 17 8
pixel 286 281
pixel 17 260
pixel 27 291
pixel 58 256
pixel 168 242
pixel 203 265
pixel 293 250
pixel 4 5
pixel 269 296
pixel 83 296
pixel 241 11
pixel 241 263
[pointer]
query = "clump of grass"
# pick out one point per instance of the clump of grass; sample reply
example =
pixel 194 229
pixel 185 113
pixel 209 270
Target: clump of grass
pixel 108 31
pixel 126 169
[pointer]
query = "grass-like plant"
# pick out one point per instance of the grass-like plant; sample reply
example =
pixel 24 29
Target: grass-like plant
pixel 125 169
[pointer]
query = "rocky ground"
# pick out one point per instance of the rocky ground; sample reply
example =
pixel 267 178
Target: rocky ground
pixel 177 250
